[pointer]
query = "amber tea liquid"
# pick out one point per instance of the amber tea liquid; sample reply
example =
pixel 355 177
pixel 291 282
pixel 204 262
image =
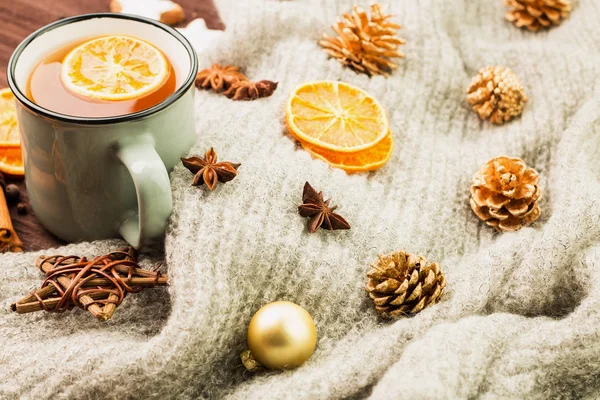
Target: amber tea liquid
pixel 45 88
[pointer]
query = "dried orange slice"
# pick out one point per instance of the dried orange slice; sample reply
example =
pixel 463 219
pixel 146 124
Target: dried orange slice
pixel 9 129
pixel 362 161
pixel 11 160
pixel 114 68
pixel 335 116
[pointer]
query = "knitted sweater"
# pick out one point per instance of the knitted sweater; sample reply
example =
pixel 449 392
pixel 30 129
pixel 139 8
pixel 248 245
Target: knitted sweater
pixel 521 313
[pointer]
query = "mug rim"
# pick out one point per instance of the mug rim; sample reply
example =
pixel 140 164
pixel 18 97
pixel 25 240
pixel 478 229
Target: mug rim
pixel 189 81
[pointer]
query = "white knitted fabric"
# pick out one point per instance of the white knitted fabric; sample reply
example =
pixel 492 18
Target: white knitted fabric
pixel 521 315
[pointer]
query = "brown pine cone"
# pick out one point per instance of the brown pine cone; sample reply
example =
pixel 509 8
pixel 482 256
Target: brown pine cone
pixel 537 14
pixel 401 284
pixel 364 44
pixel 496 93
pixel 505 194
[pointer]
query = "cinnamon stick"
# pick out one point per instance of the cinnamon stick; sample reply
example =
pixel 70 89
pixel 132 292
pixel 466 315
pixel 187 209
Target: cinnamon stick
pixel 8 236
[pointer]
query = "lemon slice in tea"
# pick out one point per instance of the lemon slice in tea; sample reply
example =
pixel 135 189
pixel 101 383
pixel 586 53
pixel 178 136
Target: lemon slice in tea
pixel 114 68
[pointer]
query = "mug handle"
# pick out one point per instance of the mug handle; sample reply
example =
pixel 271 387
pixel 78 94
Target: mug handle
pixel 152 187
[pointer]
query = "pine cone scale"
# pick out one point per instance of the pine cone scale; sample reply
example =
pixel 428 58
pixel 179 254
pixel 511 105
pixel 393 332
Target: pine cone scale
pixel 525 191
pixel 388 286
pixel 499 213
pixel 429 281
pixel 416 293
pixel 390 271
pixel 382 61
pixel 414 279
pixel 533 213
pixel 381 310
pixel 552 14
pixel 517 208
pixel 420 305
pixel 375 274
pixel 381 301
pixel 437 293
pixel 535 13
pixel 402 289
pixel 497 200
pixel 398 300
pixel 370 288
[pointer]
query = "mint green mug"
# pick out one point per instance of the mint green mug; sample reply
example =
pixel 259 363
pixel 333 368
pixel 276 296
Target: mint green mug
pixel 96 178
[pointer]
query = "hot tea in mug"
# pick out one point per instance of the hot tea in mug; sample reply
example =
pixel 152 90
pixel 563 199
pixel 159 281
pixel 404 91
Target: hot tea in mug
pixel 102 77
pixel 105 106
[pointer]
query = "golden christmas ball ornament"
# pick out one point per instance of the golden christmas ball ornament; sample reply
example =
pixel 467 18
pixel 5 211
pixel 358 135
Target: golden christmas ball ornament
pixel 505 194
pixel 281 335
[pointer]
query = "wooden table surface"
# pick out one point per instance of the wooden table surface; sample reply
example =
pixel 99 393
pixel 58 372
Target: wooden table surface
pixel 18 19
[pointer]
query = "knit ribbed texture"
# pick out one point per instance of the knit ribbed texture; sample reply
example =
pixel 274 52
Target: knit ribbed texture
pixel 521 313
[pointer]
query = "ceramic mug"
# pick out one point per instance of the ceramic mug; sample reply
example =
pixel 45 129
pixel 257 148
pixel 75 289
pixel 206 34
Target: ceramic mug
pixel 96 178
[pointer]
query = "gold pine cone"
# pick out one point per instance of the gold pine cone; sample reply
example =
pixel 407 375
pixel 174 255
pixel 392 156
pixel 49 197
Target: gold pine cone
pixel 537 14
pixel 496 93
pixel 365 44
pixel 505 194
pixel 402 284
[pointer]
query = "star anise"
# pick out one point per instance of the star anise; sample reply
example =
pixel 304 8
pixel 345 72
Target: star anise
pixel 318 210
pixel 208 171
pixel 246 90
pixel 219 77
